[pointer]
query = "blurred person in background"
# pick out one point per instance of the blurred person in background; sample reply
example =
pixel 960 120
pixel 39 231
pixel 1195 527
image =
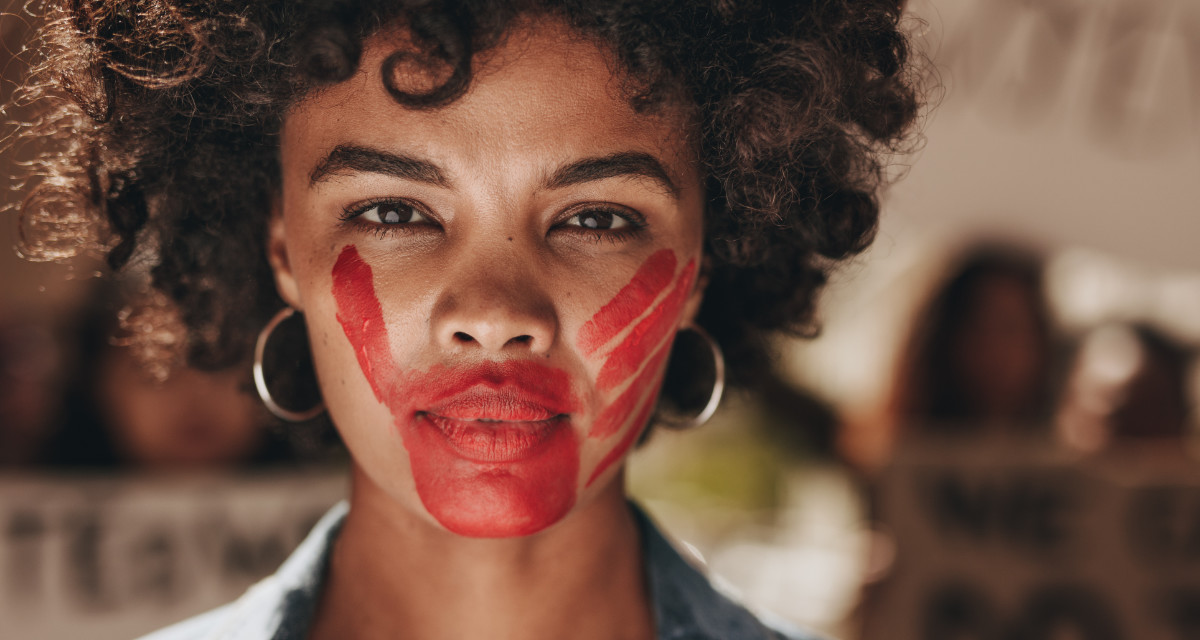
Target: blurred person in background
pixel 977 367
pixel 29 368
pixel 118 412
pixel 979 360
pixel 1128 388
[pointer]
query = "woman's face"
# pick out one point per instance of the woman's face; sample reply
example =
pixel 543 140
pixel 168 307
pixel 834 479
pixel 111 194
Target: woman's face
pixel 490 287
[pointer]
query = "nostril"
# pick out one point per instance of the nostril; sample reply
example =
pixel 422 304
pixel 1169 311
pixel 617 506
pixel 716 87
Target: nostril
pixel 463 337
pixel 521 340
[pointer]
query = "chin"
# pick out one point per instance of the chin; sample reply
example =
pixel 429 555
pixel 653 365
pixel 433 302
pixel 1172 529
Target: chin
pixel 499 514
pixel 494 498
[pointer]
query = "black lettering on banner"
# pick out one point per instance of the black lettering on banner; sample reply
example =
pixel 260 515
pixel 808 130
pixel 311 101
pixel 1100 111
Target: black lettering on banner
pixel 85 581
pixel 1029 511
pixel 1066 611
pixel 25 536
pixel 251 555
pixel 154 564
pixel 246 552
pixel 1181 610
pixel 959 611
pixel 1162 524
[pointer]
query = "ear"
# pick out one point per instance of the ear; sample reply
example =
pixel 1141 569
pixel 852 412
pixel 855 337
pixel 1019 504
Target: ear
pixel 277 255
pixel 691 308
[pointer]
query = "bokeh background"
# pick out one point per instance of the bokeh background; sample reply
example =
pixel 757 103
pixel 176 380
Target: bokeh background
pixel 993 437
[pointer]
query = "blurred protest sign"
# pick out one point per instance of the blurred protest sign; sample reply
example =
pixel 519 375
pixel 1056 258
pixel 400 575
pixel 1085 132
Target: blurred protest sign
pixel 103 557
pixel 1015 541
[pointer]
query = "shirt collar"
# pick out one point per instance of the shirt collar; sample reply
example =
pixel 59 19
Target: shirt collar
pixel 686 607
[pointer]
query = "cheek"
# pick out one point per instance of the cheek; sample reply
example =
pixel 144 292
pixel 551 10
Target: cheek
pixel 361 317
pixel 646 311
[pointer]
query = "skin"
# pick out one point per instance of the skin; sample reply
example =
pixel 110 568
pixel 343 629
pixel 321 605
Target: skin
pixel 497 273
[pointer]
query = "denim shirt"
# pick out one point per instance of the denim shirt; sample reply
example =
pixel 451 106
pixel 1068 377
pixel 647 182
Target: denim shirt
pixel 281 606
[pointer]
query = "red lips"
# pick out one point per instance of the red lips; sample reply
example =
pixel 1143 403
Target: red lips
pixel 491 446
pixel 497 412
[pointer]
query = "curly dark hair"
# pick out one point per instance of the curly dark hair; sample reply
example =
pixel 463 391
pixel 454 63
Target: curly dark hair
pixel 166 115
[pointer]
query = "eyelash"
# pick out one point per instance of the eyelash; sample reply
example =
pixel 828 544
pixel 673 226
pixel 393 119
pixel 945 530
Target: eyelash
pixel 352 215
pixel 636 223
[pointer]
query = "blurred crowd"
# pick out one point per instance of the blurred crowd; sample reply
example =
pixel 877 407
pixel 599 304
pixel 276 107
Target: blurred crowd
pixel 985 358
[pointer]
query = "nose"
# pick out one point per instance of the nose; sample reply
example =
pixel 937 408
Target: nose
pixel 496 311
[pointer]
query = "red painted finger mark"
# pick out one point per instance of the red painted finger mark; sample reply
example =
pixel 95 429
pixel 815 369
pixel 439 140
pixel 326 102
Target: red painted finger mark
pixel 639 424
pixel 647 335
pixel 615 415
pixel 630 302
pixel 361 316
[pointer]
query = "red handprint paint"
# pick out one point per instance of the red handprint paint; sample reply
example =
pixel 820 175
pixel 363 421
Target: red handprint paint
pixel 647 335
pixel 644 348
pixel 491 446
pixel 630 302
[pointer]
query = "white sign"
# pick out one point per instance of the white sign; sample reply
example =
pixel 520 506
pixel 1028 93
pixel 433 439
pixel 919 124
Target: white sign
pixel 103 557
pixel 1020 543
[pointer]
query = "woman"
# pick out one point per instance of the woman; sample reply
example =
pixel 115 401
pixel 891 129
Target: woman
pixel 494 218
pixel 118 415
pixel 981 357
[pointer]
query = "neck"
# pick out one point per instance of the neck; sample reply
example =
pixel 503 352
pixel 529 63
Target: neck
pixel 394 573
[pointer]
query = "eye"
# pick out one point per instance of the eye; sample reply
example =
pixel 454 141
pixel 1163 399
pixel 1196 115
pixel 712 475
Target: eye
pixel 598 220
pixel 389 213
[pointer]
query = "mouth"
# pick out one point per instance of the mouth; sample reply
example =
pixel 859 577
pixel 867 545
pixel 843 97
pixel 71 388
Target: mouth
pixel 491 440
pixel 495 412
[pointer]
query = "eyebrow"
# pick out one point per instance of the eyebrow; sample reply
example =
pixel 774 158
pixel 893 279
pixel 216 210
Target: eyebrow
pixel 629 164
pixel 354 158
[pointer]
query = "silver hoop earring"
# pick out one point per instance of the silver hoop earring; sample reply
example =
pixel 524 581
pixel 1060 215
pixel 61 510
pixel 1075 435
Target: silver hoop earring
pixel 718 390
pixel 260 381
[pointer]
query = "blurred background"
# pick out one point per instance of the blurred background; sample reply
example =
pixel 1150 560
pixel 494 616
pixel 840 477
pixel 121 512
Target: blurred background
pixel 994 437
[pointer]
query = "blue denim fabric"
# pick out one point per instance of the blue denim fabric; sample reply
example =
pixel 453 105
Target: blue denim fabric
pixel 281 607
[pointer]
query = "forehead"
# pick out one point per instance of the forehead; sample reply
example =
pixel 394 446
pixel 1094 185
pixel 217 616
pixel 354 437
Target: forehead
pixel 545 89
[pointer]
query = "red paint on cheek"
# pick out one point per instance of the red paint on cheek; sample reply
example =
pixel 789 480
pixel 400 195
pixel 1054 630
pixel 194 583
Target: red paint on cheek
pixel 615 414
pixel 647 335
pixel 521 489
pixel 361 316
pixel 647 346
pixel 619 451
pixel 630 302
